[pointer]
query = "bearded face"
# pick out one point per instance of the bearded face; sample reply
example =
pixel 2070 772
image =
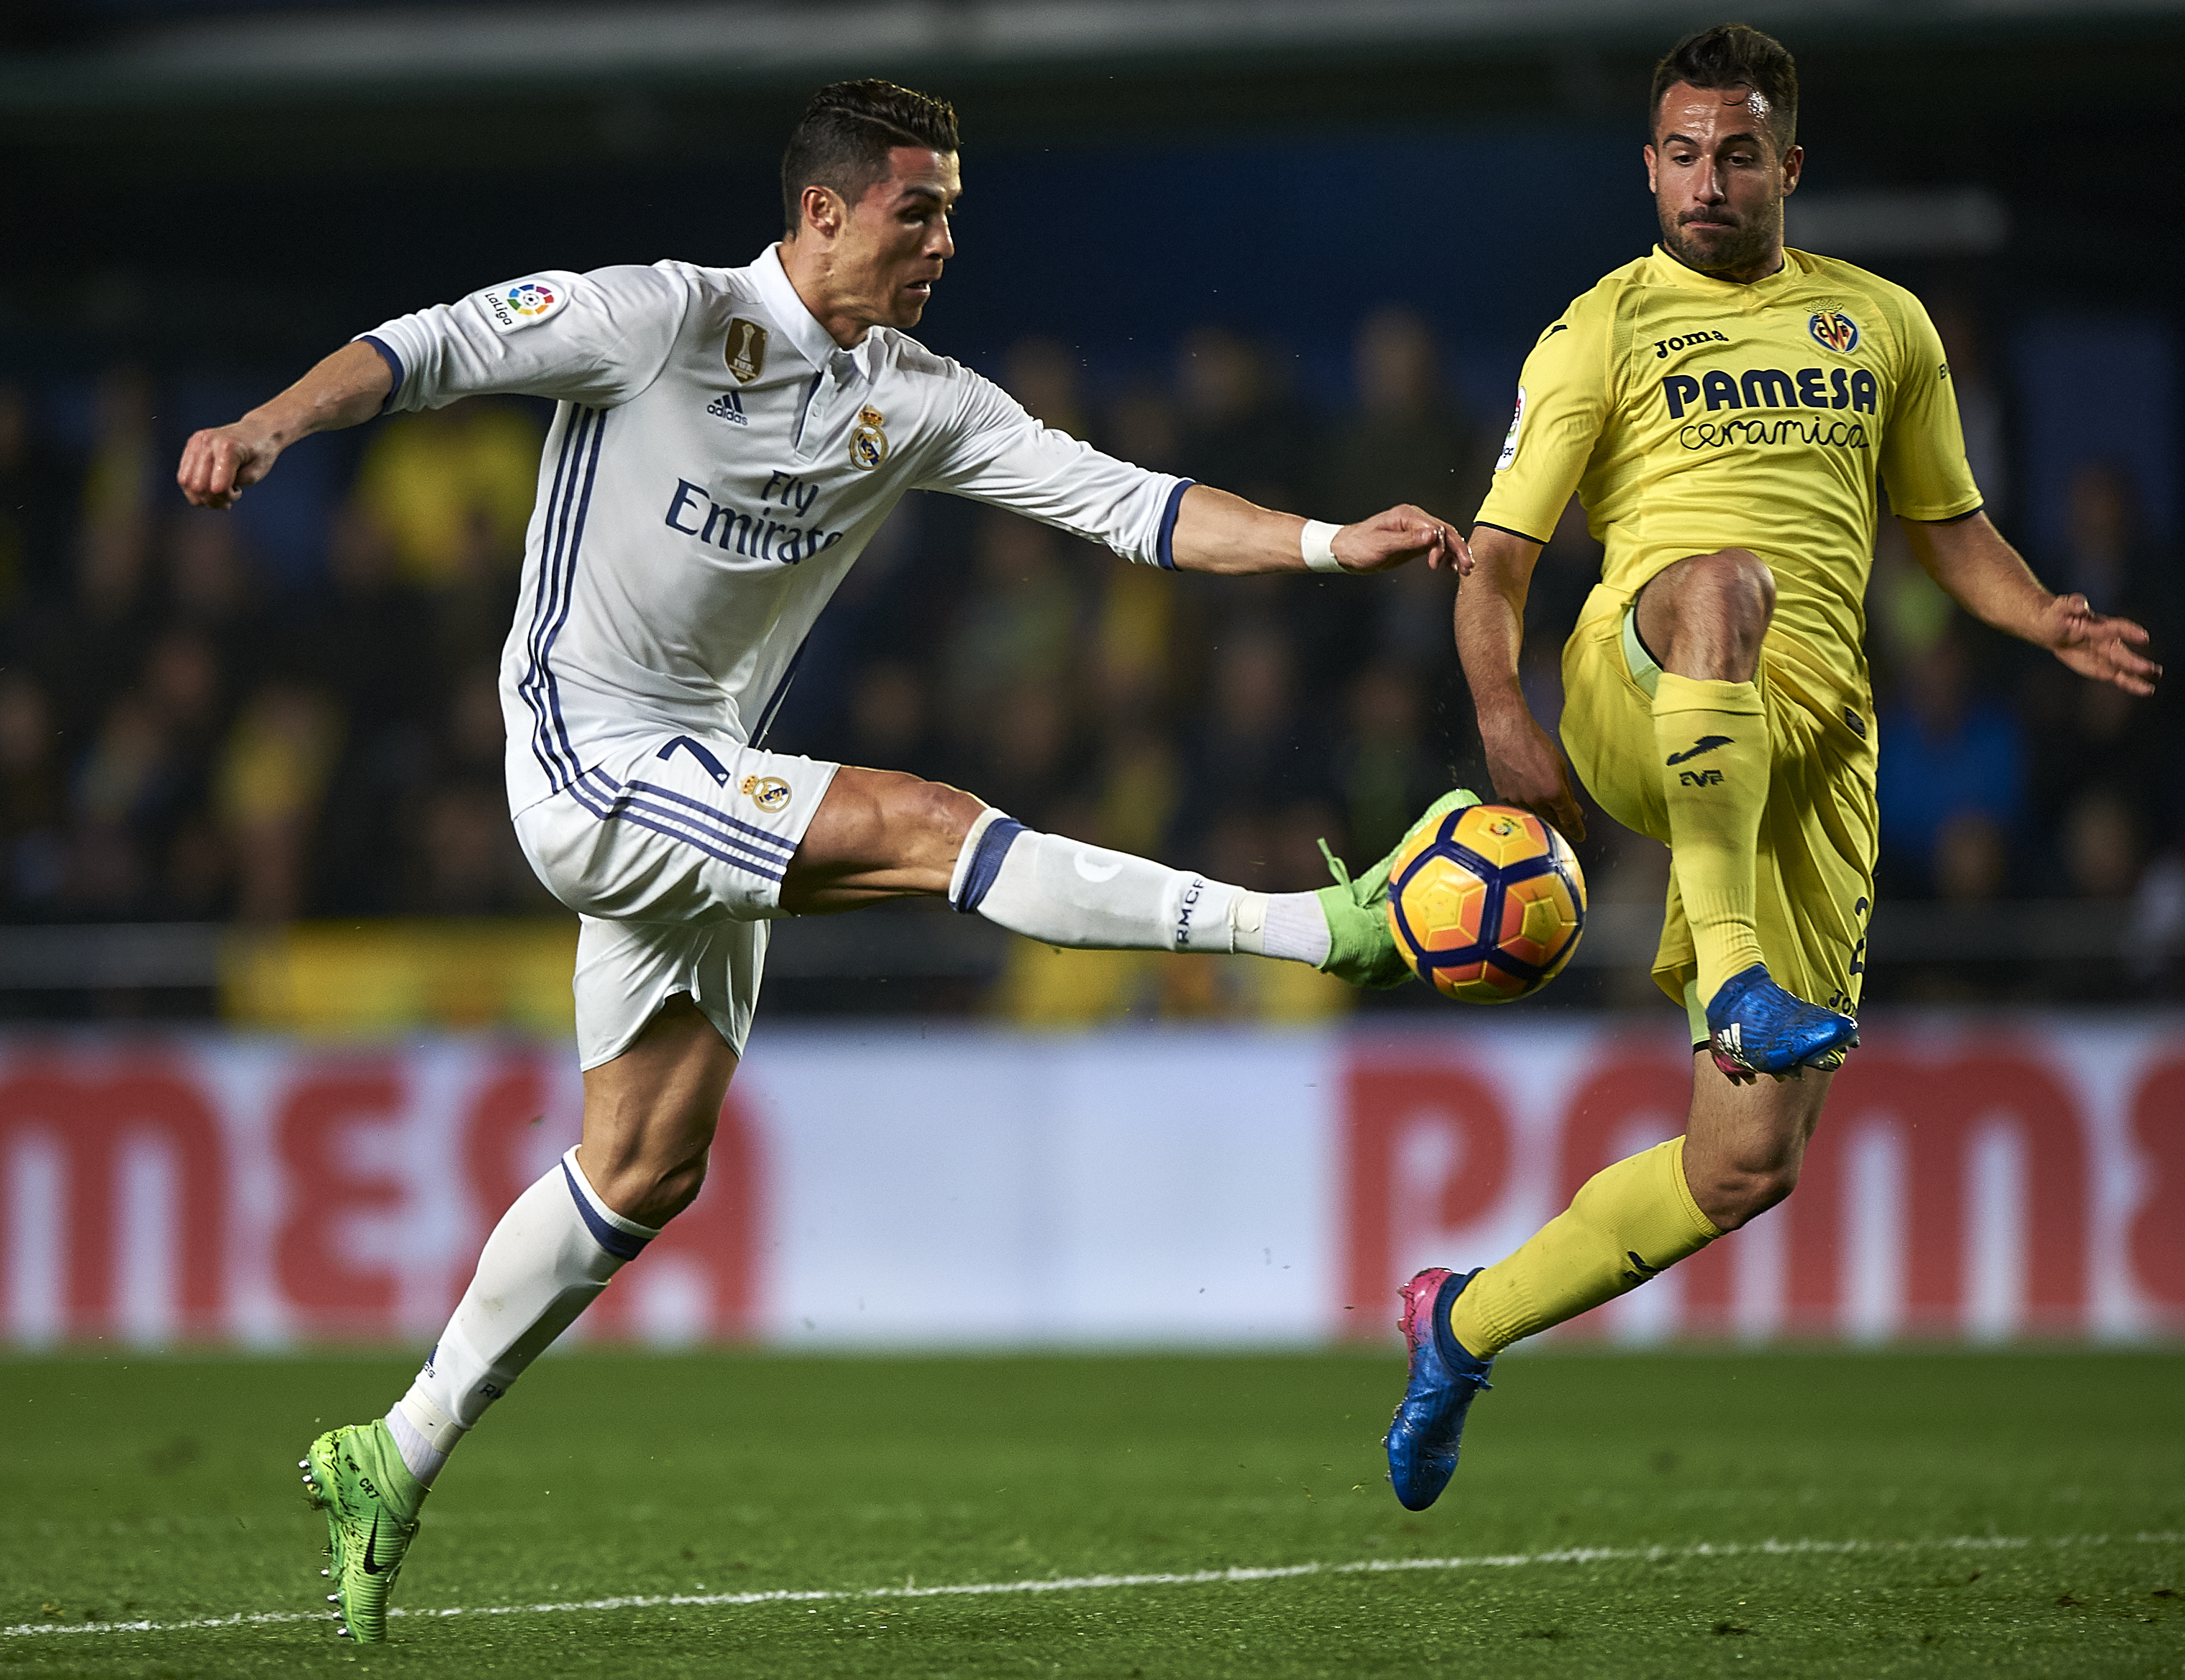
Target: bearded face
pixel 1719 181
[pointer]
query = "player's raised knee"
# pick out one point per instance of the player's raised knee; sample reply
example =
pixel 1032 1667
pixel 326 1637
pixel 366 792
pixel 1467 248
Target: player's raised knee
pixel 1706 614
pixel 1735 583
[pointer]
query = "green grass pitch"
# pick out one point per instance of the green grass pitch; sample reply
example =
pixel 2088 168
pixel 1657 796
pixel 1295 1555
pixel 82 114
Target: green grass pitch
pixel 1999 1513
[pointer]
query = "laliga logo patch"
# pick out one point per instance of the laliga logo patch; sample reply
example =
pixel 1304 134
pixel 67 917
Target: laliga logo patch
pixel 1834 330
pixel 868 445
pixel 769 793
pixel 529 298
pixel 1509 443
pixel 525 303
pixel 1501 827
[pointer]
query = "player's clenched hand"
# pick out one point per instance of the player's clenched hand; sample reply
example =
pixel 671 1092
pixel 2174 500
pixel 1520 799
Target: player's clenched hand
pixel 220 463
pixel 2104 649
pixel 1399 537
pixel 346 389
pixel 1528 771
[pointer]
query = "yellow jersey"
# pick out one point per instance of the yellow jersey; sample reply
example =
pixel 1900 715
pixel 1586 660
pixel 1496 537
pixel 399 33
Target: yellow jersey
pixel 1691 414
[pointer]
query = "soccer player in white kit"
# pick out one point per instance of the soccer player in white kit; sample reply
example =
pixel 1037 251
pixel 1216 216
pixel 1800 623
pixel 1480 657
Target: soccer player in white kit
pixel 727 441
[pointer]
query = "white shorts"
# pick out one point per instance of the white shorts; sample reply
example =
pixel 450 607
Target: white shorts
pixel 672 849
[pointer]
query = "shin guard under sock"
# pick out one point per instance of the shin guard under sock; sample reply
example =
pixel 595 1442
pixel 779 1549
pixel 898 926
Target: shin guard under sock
pixel 1060 891
pixel 546 1261
pixel 1626 1223
pixel 1712 737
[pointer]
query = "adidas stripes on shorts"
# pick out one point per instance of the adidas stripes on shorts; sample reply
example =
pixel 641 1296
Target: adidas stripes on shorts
pixel 671 850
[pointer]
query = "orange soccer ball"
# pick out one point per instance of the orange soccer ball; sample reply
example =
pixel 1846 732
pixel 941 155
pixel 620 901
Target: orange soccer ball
pixel 1487 904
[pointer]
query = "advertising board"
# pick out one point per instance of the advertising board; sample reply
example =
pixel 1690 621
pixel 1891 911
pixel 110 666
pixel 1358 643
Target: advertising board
pixel 909 1186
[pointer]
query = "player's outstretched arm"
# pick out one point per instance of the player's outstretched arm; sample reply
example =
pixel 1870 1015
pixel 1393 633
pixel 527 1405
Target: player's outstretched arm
pixel 1217 532
pixel 346 389
pixel 1528 768
pixel 1987 577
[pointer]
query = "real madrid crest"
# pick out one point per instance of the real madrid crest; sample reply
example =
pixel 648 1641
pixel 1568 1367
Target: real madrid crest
pixel 868 445
pixel 1834 330
pixel 769 793
pixel 746 350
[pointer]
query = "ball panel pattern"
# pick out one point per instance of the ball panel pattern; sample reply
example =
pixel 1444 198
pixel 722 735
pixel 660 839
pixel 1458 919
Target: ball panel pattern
pixel 1487 906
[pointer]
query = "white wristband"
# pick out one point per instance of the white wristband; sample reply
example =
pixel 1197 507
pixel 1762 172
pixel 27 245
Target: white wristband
pixel 1317 542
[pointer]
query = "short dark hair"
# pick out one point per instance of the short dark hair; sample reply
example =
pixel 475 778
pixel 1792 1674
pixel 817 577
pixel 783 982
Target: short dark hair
pixel 1734 55
pixel 843 139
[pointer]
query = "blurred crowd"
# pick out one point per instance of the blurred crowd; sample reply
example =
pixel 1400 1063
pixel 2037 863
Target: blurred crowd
pixel 185 733
pixel 2003 774
pixel 189 731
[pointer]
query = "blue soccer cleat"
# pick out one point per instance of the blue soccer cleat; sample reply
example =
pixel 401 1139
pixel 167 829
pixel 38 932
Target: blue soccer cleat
pixel 1423 1436
pixel 1756 1027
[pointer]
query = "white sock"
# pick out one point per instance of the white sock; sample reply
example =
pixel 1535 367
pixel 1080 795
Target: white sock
pixel 1060 891
pixel 552 1253
pixel 1289 925
pixel 415 1423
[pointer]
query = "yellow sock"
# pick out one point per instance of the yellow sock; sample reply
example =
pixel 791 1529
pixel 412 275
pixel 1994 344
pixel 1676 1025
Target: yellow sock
pixel 1713 740
pixel 1626 1223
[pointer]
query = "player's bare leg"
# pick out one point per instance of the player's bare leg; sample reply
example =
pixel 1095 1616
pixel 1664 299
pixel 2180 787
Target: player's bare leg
pixel 880 834
pixel 1745 1144
pixel 1703 620
pixel 650 1115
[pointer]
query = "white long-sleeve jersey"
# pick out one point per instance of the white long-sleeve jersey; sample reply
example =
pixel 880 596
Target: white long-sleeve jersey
pixel 715 464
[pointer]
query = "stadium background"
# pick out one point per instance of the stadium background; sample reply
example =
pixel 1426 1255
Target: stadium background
pixel 265 925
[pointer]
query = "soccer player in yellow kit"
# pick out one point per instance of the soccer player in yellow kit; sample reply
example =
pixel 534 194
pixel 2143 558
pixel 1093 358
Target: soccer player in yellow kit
pixel 1722 408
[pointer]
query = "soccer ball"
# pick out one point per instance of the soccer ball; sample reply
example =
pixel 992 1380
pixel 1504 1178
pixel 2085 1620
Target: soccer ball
pixel 1487 904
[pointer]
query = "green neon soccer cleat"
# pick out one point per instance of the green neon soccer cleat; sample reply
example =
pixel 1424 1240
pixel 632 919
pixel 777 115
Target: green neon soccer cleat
pixel 1361 946
pixel 357 1477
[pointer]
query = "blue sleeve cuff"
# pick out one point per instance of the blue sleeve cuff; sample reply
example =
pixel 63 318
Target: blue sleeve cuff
pixel 394 365
pixel 1165 550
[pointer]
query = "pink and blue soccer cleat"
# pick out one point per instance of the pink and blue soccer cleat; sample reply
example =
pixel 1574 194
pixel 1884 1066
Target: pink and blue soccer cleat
pixel 1756 1027
pixel 1423 1436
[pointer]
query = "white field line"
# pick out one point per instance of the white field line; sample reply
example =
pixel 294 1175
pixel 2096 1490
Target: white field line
pixel 1201 1578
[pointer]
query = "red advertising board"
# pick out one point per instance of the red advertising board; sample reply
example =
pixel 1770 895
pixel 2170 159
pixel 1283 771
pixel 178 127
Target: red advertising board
pixel 1981 1181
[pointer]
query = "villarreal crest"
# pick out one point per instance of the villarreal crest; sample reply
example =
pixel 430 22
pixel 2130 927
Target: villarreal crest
pixel 1834 330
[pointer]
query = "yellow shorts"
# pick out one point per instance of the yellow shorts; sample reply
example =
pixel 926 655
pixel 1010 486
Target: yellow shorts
pixel 1817 835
